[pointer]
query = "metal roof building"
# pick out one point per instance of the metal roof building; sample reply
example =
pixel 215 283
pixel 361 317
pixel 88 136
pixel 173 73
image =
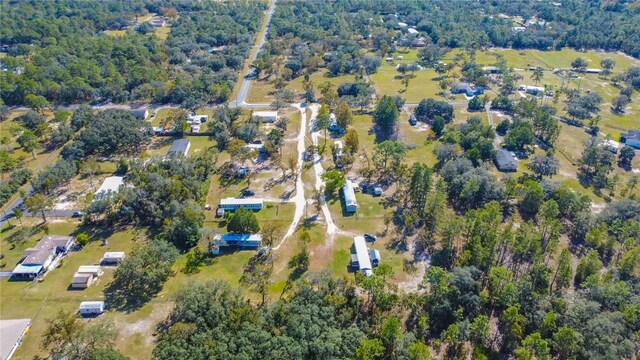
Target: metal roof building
pixel 247 203
pixel 350 203
pixel 360 258
pixel 265 116
pixel 179 147
pixel 505 161
pixel 110 186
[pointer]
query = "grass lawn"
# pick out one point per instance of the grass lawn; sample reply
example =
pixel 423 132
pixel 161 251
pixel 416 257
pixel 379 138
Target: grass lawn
pixel 261 91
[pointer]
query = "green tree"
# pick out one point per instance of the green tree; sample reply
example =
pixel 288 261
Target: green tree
pixel 333 180
pixel 82 239
pixel 351 141
pixel 385 116
pixel 589 265
pixel 627 153
pixel 344 116
pixel 564 272
pixel 544 165
pixel 243 221
pixel 537 75
pixel 533 347
pixel 257 275
pixel 607 65
pixel 532 197
pixel 390 335
pixel 566 343
pixel 36 102
pixel 29 142
pixel 39 203
pixel 438 126
pixel 579 64
pixel 369 349
pixel 17 213
pixel 388 153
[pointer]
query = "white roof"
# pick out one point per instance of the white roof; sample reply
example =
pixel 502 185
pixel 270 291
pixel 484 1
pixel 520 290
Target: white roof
pixel 110 184
pixel 265 113
pixel 89 269
pixel 401 24
pixel 91 304
pixel 362 253
pixel 412 31
pixel 240 201
pixel 197 117
pixel 349 194
pixel 113 255
pixel 611 143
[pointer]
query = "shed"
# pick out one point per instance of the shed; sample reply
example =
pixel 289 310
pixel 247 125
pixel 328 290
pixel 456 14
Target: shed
pixel 265 116
pixel 82 281
pixel 113 257
pixel 94 270
pixel 179 147
pixel 505 161
pixel 375 257
pixel 350 203
pixel 91 308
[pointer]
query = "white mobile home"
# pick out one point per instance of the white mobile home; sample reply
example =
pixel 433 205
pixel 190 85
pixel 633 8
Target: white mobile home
pixel 265 116
pixel 361 256
pixel 350 203
pixel 37 260
pixel 91 308
pixel 231 204
pixel 94 270
pixel 115 257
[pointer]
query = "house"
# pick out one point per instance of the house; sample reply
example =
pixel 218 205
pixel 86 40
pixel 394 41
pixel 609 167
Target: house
pixel 389 59
pixel 465 88
pixel 533 90
pixel 491 69
pixel 333 123
pixel 362 258
pixel 631 138
pixel 402 25
pixel 196 119
pixel 242 241
pixel 140 114
pixel 265 116
pixel 231 204
pixel 11 333
pixel 518 28
pixel 419 43
pixel 593 71
pixel 217 49
pixel 158 22
pixel 37 260
pixel 611 145
pixel 412 31
pixel 111 258
pixel 256 147
pixel 110 186
pixel 505 161
pixel 350 203
pixel 179 147
pixel 91 308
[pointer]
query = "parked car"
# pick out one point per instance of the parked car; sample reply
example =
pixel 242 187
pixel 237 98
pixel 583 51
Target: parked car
pixel 248 192
pixel 370 237
pixel 77 214
pixel 412 120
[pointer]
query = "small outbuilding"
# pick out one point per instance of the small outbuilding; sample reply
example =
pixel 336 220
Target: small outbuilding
pixel 112 257
pixel 82 281
pixel 611 146
pixel 91 308
pixel 505 161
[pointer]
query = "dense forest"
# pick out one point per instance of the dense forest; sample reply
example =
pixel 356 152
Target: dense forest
pixel 62 51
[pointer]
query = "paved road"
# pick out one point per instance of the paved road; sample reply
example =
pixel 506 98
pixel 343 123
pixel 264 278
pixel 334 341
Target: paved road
pixel 246 81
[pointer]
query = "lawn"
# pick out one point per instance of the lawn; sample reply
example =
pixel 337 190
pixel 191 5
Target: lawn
pixel 262 91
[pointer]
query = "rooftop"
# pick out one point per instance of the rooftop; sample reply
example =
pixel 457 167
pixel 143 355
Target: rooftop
pixel 45 247
pixel 180 146
pixel 349 194
pixel 240 201
pixel 109 185
pixel 362 253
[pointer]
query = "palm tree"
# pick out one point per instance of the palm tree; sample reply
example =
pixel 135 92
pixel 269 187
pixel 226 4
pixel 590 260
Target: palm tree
pixel 537 75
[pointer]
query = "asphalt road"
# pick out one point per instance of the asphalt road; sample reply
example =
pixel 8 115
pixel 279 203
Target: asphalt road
pixel 246 81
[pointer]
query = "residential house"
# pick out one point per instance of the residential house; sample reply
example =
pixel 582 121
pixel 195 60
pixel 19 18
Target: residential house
pixel 91 308
pixel 362 258
pixel 505 161
pixel 196 119
pixel 350 203
pixel 265 116
pixel 412 30
pixel 179 147
pixel 611 145
pixel 242 241
pixel 491 69
pixel 110 186
pixel 631 138
pixel 231 204
pixel 140 114
pixel 158 22
pixel 36 261
pixel 112 258
pixel 466 88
